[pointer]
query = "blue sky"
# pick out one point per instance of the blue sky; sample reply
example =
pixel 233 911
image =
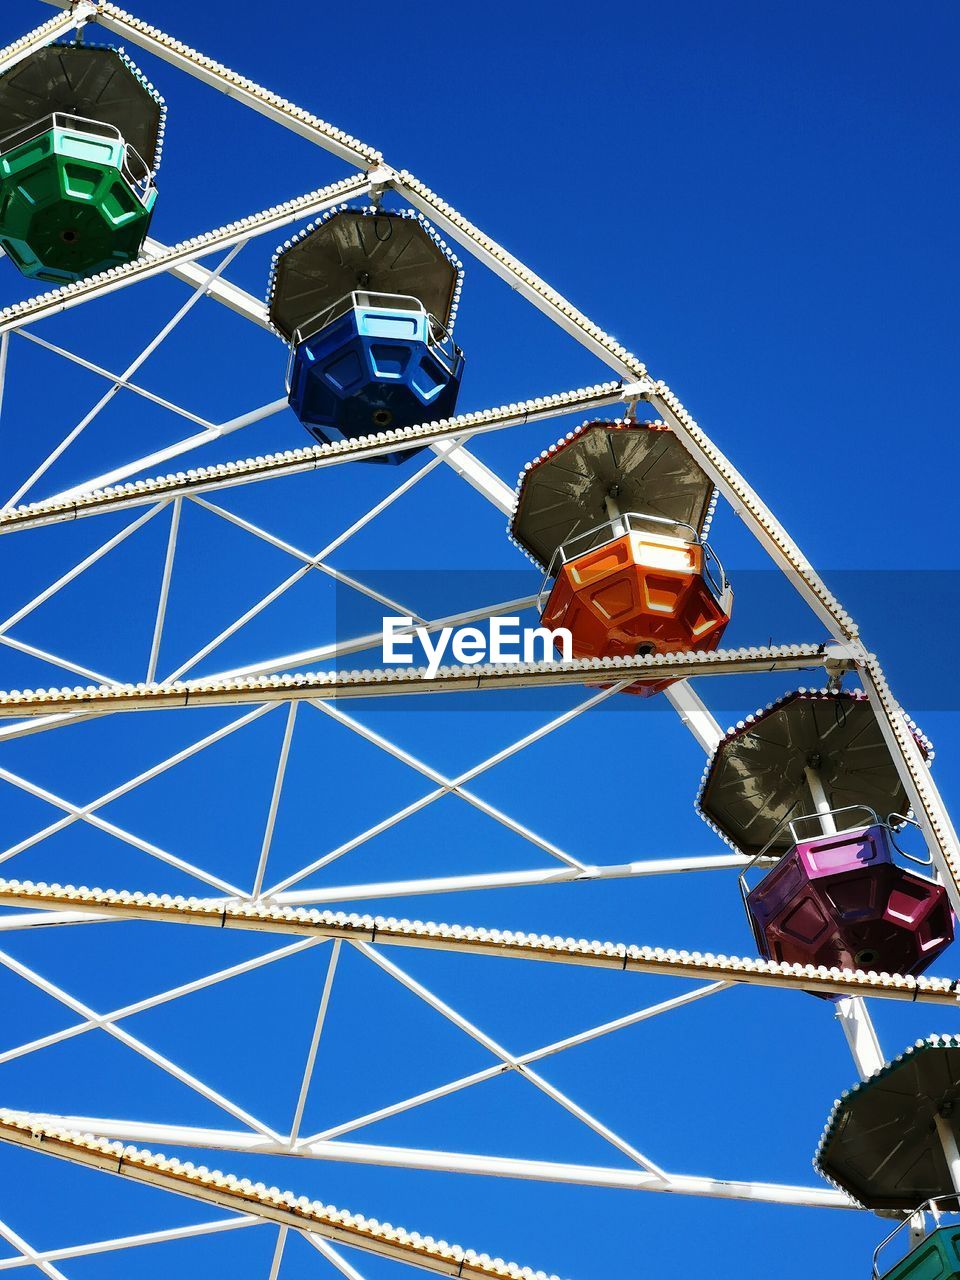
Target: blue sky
pixel 759 201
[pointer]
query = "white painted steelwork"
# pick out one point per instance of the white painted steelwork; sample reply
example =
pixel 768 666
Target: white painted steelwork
pixel 272 908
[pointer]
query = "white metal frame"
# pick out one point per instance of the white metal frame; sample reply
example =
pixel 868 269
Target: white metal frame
pixel 448 443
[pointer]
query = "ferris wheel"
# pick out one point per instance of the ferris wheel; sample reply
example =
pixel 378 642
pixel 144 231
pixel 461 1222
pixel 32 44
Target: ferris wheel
pixel 205 1001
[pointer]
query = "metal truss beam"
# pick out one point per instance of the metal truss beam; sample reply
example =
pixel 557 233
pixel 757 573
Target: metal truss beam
pixel 925 799
pixel 61 1136
pixel 210 432
pixel 518 277
pixel 477 474
pixel 4 353
pixel 695 715
pixel 861 1036
pixel 71 295
pixel 471 940
pixel 315 457
pixel 470 883
pixel 372 640
pixel 219 77
pixel 755 514
pixel 40 37
pixel 325 1248
pixel 120 1243
pixel 229 295
pixel 403 680
pixel 254 1199
pixel 223 291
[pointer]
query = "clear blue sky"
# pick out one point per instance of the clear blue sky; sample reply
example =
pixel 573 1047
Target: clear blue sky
pixel 759 200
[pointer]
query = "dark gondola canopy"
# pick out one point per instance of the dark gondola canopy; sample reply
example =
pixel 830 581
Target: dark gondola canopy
pixel 94 82
pixel 377 251
pixel 882 1144
pixel 757 776
pixel 642 465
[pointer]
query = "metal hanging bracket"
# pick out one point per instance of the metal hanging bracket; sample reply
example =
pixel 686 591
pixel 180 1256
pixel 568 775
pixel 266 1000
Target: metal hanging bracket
pixel 838 660
pixel 381 178
pixel 85 11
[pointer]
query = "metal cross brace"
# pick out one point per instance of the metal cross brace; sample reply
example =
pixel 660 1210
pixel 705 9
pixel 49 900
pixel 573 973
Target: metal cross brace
pixel 522 1060
pixel 88 812
pixel 447 786
pixel 153 1056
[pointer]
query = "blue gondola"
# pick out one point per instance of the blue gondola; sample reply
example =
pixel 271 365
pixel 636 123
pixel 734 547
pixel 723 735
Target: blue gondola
pixel 366 300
